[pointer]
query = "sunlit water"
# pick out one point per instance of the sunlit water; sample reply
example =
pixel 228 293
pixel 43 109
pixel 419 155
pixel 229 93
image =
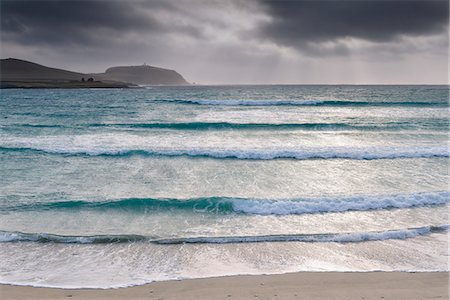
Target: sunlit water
pixel 109 188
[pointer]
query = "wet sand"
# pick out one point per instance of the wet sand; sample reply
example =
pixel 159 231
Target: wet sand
pixel 303 285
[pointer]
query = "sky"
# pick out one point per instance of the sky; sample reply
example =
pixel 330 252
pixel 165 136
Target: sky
pixel 237 41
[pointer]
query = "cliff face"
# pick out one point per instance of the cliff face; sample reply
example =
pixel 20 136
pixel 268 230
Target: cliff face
pixel 142 75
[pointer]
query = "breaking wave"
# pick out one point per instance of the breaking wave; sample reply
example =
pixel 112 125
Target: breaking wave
pixel 251 154
pixel 244 102
pixel 350 237
pixel 443 124
pixel 250 205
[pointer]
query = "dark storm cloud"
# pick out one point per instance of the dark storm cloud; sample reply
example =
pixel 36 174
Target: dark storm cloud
pixel 71 21
pixel 294 23
pixel 297 23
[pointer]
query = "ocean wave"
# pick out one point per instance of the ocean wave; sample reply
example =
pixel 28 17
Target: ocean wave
pixel 251 205
pixel 339 204
pixel 239 102
pixel 349 237
pixel 37 125
pixel 250 154
pixel 218 126
pixel 16 236
pixel 208 204
pixel 245 126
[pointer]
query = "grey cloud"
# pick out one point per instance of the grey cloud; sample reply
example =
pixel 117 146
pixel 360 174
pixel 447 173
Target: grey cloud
pixel 74 21
pixel 304 23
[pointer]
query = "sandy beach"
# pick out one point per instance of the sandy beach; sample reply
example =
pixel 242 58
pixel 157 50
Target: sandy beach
pixel 305 285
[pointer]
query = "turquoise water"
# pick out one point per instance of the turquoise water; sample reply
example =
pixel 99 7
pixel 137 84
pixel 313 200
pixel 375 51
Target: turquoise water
pixel 109 188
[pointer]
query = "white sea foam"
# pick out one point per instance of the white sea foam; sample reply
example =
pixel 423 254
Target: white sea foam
pixel 243 102
pixel 333 204
pixel 219 146
pixel 357 153
pixel 300 102
pixel 352 237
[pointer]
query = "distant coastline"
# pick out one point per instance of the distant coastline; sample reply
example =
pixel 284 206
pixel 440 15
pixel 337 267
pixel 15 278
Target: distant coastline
pixel 62 85
pixel 16 73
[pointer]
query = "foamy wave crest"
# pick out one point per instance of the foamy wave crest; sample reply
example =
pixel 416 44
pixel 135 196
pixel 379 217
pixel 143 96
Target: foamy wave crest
pixel 268 102
pixel 351 237
pixel 253 126
pixel 250 205
pixel 329 204
pixel 251 154
pixel 16 236
pixel 441 124
pixel 243 102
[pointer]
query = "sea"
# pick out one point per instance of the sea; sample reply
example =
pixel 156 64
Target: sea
pixel 107 188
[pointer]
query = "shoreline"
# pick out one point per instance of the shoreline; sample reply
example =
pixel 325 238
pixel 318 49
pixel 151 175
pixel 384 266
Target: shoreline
pixel 62 85
pixel 301 285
